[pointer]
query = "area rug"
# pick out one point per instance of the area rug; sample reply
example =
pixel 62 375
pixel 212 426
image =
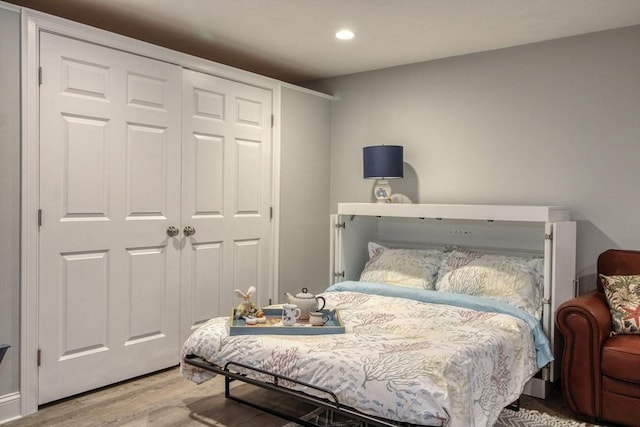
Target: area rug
pixel 508 418
pixel 532 418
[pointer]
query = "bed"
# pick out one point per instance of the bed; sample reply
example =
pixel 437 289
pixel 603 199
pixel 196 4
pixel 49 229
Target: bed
pixel 433 337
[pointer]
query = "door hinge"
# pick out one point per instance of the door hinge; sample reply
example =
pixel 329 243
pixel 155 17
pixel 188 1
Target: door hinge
pixel 341 225
pixel 338 274
pixel 273 120
pixel 39 76
pixel 270 213
pixel 39 217
pixel 270 301
pixel 39 357
pixel 548 236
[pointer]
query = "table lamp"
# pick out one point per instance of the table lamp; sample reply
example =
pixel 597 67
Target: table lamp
pixel 382 162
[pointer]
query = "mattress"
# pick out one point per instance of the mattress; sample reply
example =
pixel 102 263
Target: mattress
pixel 414 356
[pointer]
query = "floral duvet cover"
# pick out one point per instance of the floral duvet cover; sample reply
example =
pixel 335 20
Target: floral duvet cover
pixel 406 355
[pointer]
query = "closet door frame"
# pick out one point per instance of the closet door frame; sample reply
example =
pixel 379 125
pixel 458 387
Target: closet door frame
pixel 33 23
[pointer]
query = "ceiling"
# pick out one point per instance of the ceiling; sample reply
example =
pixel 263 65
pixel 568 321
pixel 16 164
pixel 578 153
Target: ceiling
pixel 293 40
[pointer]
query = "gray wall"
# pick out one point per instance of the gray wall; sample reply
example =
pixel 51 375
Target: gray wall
pixel 551 123
pixel 10 198
pixel 304 191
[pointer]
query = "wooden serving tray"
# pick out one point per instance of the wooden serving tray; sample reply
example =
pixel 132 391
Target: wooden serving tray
pixel 274 326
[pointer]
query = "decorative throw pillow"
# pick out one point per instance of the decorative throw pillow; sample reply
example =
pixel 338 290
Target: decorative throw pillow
pixel 413 268
pixel 623 296
pixel 509 279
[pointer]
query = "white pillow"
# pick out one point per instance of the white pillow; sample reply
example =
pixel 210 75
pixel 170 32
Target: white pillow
pixel 412 268
pixel 514 280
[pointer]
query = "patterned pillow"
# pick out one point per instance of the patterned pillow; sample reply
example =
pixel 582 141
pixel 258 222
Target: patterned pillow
pixel 623 296
pixel 514 280
pixel 412 268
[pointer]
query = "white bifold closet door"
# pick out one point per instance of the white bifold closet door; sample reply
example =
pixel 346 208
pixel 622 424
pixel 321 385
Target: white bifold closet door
pixel 117 294
pixel 109 188
pixel 227 196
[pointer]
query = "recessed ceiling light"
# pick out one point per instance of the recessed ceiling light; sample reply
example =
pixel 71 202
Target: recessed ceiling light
pixel 345 35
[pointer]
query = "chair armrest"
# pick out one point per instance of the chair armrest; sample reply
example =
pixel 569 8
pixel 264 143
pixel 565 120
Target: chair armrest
pixel 585 323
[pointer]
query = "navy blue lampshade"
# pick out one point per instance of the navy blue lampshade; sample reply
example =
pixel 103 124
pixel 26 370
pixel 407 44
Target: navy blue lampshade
pixel 383 162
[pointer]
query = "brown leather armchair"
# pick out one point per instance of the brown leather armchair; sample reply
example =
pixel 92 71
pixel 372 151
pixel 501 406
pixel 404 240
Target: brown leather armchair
pixel 600 374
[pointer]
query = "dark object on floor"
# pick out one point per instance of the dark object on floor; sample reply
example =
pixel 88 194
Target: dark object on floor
pixel 3 350
pixel 600 372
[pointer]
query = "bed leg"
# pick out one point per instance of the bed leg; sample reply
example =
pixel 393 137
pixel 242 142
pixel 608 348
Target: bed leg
pixel 515 406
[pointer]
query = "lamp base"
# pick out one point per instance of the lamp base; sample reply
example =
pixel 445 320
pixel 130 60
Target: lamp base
pixel 382 191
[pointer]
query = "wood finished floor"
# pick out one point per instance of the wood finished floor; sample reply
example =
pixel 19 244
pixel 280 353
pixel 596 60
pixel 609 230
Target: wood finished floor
pixel 166 399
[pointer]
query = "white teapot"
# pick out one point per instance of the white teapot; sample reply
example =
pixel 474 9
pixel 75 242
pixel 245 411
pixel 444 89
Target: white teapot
pixel 306 302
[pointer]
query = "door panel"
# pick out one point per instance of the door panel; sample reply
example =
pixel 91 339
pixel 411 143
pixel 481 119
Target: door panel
pixel 206 276
pixel 248 177
pixel 226 195
pixel 146 171
pixel 209 161
pixel 146 287
pixel 79 304
pixel 109 189
pixel 85 179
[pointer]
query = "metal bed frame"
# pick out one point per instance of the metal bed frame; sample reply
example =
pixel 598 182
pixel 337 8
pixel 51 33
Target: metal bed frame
pixel 329 403
pixel 282 384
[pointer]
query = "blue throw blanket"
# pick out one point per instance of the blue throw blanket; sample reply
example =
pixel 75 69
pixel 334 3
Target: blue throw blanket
pixel 543 349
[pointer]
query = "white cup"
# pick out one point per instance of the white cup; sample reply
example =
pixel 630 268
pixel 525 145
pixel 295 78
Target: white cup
pixel 318 318
pixel 290 313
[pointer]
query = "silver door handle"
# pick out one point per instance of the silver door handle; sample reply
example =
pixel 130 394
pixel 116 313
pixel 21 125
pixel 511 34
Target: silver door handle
pixel 172 231
pixel 189 231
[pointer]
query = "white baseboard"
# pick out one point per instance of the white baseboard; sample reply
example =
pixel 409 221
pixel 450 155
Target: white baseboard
pixel 10 407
